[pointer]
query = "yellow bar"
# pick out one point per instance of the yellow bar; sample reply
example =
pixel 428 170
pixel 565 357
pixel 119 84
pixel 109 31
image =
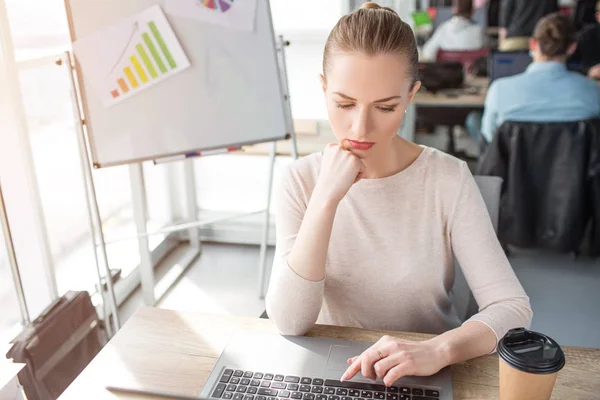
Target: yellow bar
pixel 138 68
pixel 123 85
pixel 131 77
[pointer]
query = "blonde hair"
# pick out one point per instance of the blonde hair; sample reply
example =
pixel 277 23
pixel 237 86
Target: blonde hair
pixel 373 30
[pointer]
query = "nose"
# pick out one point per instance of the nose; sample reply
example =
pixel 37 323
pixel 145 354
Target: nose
pixel 360 124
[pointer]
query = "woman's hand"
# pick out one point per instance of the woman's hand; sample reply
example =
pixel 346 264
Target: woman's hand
pixel 340 169
pixel 391 359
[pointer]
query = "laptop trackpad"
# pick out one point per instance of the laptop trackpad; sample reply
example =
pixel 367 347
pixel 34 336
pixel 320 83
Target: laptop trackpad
pixel 339 355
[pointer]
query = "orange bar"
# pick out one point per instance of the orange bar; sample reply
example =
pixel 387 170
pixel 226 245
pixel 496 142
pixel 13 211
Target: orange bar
pixel 123 85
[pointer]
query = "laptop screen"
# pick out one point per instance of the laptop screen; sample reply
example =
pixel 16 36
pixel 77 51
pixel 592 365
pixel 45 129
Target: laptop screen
pixel 502 64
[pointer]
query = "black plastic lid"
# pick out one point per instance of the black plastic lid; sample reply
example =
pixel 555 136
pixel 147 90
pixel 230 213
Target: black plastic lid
pixel 531 352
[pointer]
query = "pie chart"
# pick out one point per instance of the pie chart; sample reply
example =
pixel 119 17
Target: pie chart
pixel 218 5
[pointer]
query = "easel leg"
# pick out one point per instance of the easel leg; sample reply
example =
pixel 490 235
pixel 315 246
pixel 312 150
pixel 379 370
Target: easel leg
pixel 140 213
pixel 191 203
pixel 262 267
pixel 94 218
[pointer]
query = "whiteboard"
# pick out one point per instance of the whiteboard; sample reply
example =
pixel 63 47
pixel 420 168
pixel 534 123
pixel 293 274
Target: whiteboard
pixel 231 95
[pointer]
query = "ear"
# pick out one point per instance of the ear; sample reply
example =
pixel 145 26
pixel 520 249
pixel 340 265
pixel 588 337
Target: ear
pixel 414 90
pixel 571 49
pixel 533 44
pixel 323 83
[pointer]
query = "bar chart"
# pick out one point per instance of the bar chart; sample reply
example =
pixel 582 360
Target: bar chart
pixel 131 56
pixel 151 58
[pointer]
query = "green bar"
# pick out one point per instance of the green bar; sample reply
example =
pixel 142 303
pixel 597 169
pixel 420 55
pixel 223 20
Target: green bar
pixel 146 60
pixel 162 44
pixel 154 53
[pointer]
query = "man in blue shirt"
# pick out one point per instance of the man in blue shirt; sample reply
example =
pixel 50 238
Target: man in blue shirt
pixel 546 91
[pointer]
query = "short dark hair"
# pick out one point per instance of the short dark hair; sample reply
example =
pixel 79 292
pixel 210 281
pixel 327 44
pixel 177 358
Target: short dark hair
pixel 464 7
pixel 555 33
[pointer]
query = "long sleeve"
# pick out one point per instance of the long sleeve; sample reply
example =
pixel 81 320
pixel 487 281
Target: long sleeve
pixel 503 304
pixel 431 47
pixel 293 303
pixel 489 121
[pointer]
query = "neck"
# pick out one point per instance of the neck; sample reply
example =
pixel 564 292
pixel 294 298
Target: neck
pixel 542 58
pixel 391 159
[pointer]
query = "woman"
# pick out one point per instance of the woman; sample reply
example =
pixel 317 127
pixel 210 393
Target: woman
pixel 546 91
pixel 367 230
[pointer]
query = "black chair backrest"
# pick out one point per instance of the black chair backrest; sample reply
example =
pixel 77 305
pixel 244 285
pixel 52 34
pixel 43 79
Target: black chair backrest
pixel 550 172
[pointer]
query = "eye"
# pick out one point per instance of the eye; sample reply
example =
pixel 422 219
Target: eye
pixel 387 109
pixel 341 105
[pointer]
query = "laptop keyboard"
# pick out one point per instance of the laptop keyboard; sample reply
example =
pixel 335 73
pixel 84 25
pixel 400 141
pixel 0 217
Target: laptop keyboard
pixel 248 385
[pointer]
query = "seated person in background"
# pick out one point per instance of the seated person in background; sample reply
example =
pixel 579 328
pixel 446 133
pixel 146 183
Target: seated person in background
pixel 546 91
pixel 517 20
pixel 458 33
pixel 587 55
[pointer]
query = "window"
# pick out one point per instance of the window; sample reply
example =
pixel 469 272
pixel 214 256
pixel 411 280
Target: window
pixel 40 35
pixel 10 317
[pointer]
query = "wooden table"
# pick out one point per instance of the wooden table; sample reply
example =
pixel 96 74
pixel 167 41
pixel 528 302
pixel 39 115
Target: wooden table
pixel 171 351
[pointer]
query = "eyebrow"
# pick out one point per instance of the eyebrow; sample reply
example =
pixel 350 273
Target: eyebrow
pixel 376 101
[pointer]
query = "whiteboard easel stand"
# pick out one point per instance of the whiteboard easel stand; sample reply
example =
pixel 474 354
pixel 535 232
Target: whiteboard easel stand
pixel 150 292
pixel 262 267
pixel 94 218
pixel 139 200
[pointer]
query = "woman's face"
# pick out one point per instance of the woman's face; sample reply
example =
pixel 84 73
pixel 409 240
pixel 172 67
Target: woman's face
pixel 366 99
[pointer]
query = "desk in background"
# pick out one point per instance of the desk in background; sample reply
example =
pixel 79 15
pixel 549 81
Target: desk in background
pixel 447 107
pixel 171 351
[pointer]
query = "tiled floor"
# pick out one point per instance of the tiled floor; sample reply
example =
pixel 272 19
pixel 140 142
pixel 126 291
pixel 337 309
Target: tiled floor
pixel 564 293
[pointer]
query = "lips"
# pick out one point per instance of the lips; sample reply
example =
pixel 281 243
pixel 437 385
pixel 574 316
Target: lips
pixel 360 145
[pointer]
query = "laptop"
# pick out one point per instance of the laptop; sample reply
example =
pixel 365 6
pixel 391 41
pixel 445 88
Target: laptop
pixel 259 366
pixel 503 64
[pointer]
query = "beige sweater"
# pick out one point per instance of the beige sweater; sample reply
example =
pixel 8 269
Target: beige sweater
pixel 390 259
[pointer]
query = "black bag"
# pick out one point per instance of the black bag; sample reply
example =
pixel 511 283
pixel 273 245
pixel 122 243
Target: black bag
pixel 57 346
pixel 441 75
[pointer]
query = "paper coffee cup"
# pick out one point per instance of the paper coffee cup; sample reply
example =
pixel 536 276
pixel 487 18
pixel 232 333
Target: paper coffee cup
pixel 529 364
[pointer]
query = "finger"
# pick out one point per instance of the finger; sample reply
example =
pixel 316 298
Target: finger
pixel 383 366
pixel 345 144
pixel 368 360
pixel 352 369
pixel 367 369
pixel 351 360
pixel 399 371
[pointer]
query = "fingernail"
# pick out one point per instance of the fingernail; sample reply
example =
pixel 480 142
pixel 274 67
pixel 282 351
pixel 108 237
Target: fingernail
pixel 343 378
